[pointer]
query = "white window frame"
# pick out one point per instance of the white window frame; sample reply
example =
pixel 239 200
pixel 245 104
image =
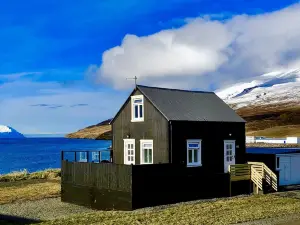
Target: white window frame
pixel 194 164
pixel 133 98
pixel 142 142
pixel 83 156
pixel 126 142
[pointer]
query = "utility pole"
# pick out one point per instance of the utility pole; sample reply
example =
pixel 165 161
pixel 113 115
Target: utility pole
pixel 135 78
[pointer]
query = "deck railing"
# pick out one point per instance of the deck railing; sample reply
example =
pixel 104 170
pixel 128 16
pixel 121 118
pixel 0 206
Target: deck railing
pixel 265 172
pixel 87 156
pixel 254 171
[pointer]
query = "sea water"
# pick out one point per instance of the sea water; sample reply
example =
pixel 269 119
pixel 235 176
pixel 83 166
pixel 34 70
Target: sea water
pixel 36 154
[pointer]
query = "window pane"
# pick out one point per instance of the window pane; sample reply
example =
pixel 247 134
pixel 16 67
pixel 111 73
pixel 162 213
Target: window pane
pixel 193 145
pixel 190 156
pixel 150 155
pixel 195 155
pixel 145 155
pixel 128 146
pixel 138 100
pixel 131 158
pixel 128 152
pixel 131 152
pixel 131 146
pixel 128 158
pixel 141 111
pixel 136 113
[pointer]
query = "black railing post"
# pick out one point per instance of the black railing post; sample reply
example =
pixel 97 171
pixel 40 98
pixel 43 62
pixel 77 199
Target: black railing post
pixel 100 156
pixel 62 155
pixel 75 156
pixel 87 156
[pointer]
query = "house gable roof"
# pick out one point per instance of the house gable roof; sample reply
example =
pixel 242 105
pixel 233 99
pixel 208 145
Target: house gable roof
pixel 183 105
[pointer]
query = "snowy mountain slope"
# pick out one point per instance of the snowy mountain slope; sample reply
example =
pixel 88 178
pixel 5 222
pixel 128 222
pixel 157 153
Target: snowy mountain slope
pixel 272 88
pixel 8 132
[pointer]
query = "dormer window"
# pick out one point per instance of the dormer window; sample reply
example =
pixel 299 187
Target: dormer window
pixel 137 108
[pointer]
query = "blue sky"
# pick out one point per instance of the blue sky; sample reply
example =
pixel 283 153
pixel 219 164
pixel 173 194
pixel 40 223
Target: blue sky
pixel 64 63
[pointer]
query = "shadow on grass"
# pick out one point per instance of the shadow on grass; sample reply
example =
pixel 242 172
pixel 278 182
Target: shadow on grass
pixel 6 219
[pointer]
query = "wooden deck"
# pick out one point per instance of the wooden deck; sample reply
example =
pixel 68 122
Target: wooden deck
pixel 257 172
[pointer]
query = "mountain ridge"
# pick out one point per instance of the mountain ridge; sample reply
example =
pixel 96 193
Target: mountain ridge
pixel 270 103
pixel 9 132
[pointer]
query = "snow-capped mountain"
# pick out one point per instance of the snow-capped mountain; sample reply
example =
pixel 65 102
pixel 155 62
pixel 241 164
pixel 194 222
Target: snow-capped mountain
pixel 8 132
pixel 271 88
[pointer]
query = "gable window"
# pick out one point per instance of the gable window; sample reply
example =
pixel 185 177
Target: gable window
pixel 137 108
pixel 146 151
pixel 129 151
pixel 194 153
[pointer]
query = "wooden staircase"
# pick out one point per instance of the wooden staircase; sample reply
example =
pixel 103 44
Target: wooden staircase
pixel 257 172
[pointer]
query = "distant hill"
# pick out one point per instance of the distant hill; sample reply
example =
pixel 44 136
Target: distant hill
pixel 9 132
pixel 100 131
pixel 270 103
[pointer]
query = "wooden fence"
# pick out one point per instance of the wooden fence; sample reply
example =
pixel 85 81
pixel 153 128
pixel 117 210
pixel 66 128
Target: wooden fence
pixel 126 187
pixel 103 176
pixel 97 185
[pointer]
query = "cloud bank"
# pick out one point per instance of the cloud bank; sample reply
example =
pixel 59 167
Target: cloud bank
pixel 205 53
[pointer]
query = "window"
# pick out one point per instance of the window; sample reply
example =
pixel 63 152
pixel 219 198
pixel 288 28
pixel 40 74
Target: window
pixel 146 151
pixel 229 152
pixel 137 108
pixel 95 156
pixel 82 156
pixel 277 163
pixel 194 153
pixel 129 151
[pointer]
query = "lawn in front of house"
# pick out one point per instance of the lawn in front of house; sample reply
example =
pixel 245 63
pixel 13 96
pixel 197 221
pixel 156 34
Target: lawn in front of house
pixel 39 199
pixel 223 211
pixel 28 190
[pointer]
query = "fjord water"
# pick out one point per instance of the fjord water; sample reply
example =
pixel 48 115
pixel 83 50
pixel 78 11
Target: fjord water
pixel 36 154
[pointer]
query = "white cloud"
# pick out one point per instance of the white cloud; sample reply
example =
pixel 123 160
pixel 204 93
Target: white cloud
pixel 205 51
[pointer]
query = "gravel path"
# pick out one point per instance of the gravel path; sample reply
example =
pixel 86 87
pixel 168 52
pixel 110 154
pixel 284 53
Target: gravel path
pixel 46 209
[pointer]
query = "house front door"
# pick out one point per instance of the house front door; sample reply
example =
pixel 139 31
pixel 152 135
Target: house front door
pixel 129 151
pixel 285 170
pixel 229 154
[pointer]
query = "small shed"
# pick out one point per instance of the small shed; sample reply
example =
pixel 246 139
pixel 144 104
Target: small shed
pixel 285 162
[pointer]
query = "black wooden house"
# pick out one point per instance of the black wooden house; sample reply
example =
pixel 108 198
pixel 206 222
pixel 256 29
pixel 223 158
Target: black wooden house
pixel 168 146
pixel 193 128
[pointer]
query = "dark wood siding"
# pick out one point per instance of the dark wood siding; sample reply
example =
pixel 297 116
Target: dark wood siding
pixel 212 135
pixel 268 159
pixel 154 127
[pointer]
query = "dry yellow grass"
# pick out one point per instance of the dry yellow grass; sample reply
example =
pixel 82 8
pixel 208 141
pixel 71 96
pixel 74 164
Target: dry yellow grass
pixel 28 190
pixel 91 133
pixel 226 211
pixel 277 131
pixel 25 175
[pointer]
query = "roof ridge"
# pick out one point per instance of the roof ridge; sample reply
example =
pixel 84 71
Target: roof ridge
pixel 174 89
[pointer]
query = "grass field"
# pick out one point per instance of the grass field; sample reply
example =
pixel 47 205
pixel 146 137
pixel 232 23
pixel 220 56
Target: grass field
pixel 38 199
pixel 272 120
pixel 225 211
pixel 28 190
pixel 34 199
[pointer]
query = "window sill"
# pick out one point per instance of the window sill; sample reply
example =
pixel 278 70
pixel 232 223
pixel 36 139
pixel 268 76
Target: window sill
pixel 198 165
pixel 146 163
pixel 137 120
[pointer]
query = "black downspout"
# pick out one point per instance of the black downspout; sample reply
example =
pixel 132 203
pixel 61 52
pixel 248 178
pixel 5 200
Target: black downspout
pixel 171 142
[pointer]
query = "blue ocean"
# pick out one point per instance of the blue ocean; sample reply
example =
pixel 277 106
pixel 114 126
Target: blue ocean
pixel 36 154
